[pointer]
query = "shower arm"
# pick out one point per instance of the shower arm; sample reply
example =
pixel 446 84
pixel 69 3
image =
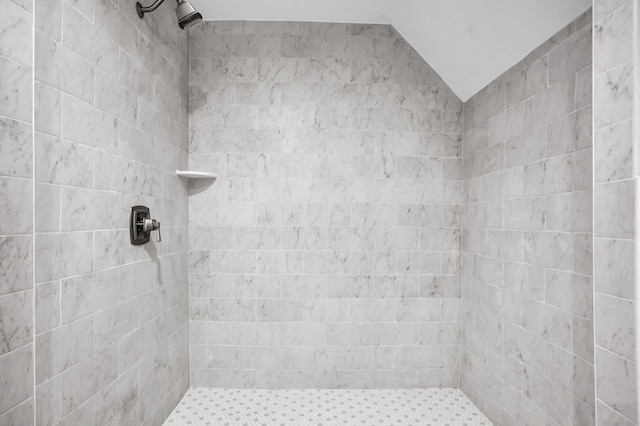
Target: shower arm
pixel 146 9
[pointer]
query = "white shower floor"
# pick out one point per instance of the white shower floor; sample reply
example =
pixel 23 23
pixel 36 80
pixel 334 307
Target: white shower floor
pixel 326 407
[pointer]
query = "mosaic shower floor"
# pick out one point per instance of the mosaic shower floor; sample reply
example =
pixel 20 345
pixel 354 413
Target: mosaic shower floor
pixel 326 407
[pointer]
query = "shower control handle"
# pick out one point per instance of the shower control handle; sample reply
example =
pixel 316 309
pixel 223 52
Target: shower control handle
pixel 141 225
pixel 149 225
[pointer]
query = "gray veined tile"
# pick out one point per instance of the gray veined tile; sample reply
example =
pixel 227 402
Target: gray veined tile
pixel 614 217
pixel 16 384
pixel 62 68
pixel 47 306
pixel 48 18
pixel 16 195
pixel 63 347
pixel 615 378
pixel 613 152
pixel 614 328
pixel 15 37
pixel 613 96
pixel 16 320
pixel 614 265
pixel 570 56
pixel 16 150
pixel 16 90
pixel 16 263
pixel 48 109
pixel 613 37
pixel 63 255
pixel 62 162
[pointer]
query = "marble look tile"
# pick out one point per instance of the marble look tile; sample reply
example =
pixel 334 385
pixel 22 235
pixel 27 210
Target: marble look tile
pixel 570 133
pixel 87 125
pixel 80 382
pixel 47 306
pixel 582 170
pixel 17 378
pixel 16 41
pixel 48 18
pixel 583 344
pixel 552 103
pixel 612 37
pixel 114 98
pixel 63 347
pixel 614 217
pixel 527 82
pixel 525 148
pixel 62 162
pixel 615 383
pixel 607 415
pixel 548 395
pixel 16 150
pixel 16 321
pixel 22 414
pixel 16 264
pixel 549 176
pixel 84 38
pixel 548 249
pixel 63 255
pixel 613 272
pixel 613 96
pixel 16 195
pixel 54 64
pixel 16 93
pixel 613 152
pixel 88 294
pixel 48 402
pixel 570 56
pixel 85 209
pixel 570 292
pixel 47 209
pixel 605 7
pixel 584 87
pixel 614 329
pixel 570 212
pixel 48 113
pixel 534 216
pixel 583 253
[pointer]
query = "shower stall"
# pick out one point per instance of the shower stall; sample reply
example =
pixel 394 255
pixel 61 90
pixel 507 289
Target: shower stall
pixel 344 239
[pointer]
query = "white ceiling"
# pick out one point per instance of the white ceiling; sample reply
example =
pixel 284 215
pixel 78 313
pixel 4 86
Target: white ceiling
pixel 468 42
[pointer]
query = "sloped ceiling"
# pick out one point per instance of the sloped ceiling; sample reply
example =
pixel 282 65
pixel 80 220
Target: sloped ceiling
pixel 468 42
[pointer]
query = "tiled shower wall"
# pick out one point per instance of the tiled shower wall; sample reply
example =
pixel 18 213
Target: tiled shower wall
pixel 327 254
pixel 111 128
pixel 528 294
pixel 16 212
pixel 614 254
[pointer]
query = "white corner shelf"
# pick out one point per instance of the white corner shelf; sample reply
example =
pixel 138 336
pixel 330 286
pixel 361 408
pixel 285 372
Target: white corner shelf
pixel 191 174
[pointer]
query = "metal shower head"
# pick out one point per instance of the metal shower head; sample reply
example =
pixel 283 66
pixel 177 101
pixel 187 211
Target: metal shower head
pixel 187 14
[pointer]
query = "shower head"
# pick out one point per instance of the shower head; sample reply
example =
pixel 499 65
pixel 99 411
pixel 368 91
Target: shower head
pixel 187 15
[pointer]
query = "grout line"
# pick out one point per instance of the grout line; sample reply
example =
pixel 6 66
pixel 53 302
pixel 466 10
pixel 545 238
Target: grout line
pixel 593 207
pixel 33 202
pixel 634 152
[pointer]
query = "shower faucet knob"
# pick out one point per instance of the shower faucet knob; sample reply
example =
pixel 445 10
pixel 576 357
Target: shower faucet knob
pixel 141 225
pixel 149 225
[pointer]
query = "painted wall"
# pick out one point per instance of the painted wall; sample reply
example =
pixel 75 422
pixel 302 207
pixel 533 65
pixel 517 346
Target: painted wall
pixel 111 128
pixel 528 293
pixel 327 254
pixel 614 199
pixel 16 211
